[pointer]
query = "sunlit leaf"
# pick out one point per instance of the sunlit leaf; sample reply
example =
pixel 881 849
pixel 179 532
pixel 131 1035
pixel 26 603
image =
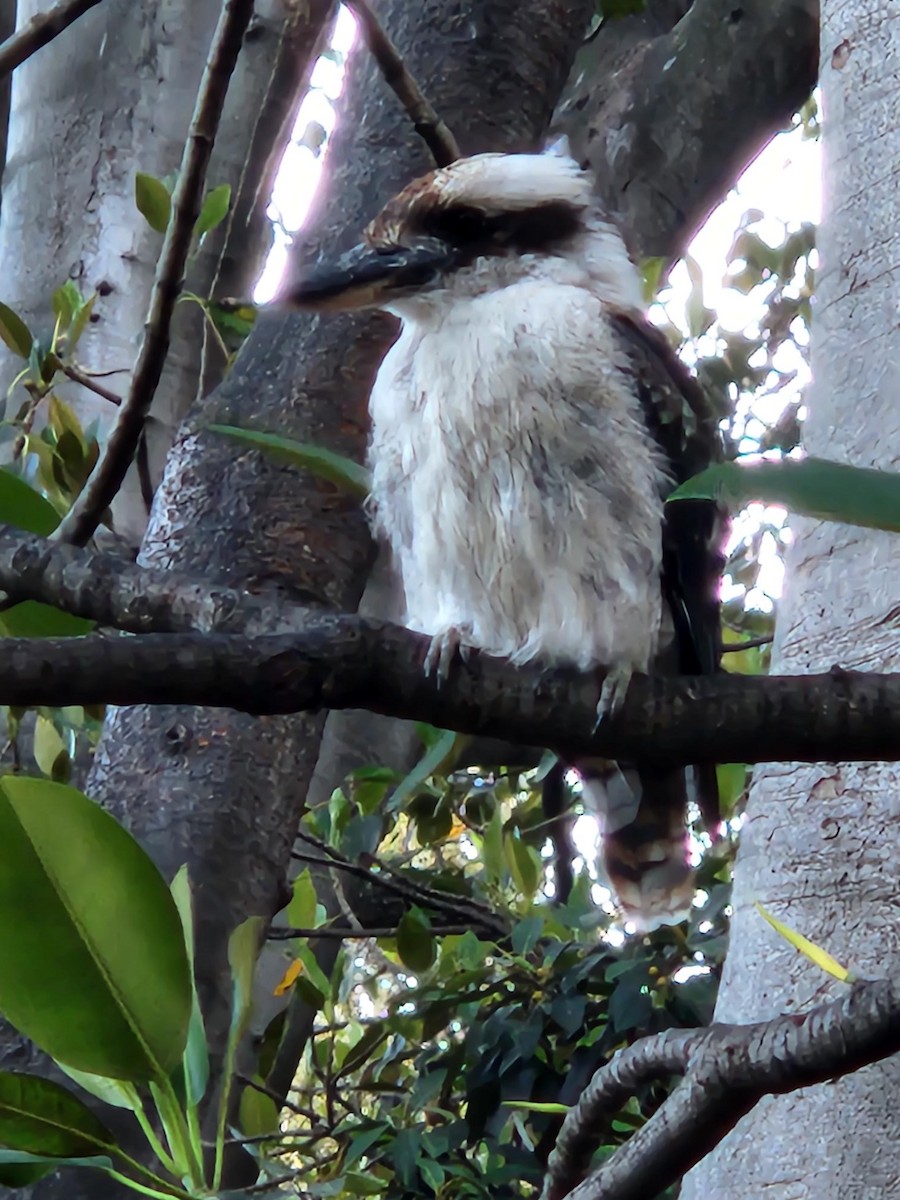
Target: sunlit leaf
pixel 814 953
pixel 346 474
pixel 153 201
pixel 535 1106
pixel 814 487
pixel 108 990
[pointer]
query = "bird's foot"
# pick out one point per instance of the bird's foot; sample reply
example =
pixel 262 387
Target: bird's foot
pixel 612 693
pixel 442 650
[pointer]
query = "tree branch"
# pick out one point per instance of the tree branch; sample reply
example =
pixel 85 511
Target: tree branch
pixel 344 661
pixel 39 32
pixel 88 510
pixel 727 1069
pixel 426 122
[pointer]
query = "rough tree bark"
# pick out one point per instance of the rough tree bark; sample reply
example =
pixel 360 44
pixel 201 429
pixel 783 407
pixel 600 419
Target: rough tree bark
pixel 819 847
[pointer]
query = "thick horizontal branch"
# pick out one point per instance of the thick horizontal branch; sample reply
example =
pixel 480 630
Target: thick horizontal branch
pixel 342 661
pixel 727 1069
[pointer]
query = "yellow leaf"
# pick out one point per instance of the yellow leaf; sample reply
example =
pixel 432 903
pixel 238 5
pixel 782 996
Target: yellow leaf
pixel 814 953
pixel 288 978
pixel 535 1106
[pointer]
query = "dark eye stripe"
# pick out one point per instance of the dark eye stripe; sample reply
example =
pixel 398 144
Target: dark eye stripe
pixel 527 231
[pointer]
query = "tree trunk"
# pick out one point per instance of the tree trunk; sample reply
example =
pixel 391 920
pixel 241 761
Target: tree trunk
pixel 819 846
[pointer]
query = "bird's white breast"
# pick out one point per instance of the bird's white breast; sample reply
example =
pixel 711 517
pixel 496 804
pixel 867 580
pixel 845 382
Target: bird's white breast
pixel 515 480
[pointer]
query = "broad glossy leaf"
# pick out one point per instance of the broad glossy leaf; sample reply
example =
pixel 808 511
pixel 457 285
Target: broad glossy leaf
pixel 153 200
pixel 343 472
pixel 110 1091
pixel 39 1116
pixel 23 507
pixel 94 964
pixel 814 487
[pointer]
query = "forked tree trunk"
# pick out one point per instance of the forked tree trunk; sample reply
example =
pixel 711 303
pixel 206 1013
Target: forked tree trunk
pixel 820 846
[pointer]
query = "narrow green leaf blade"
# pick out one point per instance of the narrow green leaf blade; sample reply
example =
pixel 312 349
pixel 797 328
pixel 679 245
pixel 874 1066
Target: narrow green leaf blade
pixel 24 508
pixel 94 964
pixel 343 472
pixel 196 1051
pixel 39 1116
pixel 814 487
pixel 153 201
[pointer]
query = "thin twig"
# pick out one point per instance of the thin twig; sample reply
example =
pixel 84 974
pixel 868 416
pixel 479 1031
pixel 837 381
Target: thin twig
pixel 337 931
pixel 39 32
pixel 257 1086
pixel 750 644
pixel 87 512
pixel 428 125
pixel 87 381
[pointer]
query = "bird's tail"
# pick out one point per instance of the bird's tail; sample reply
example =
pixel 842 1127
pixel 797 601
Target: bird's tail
pixel 645 840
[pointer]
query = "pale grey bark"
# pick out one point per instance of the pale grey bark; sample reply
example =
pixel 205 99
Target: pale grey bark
pixel 820 846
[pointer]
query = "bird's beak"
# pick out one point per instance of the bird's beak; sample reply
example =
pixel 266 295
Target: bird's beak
pixel 367 277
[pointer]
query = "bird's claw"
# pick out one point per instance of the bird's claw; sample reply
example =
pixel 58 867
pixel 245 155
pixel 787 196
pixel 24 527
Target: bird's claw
pixel 441 652
pixel 612 693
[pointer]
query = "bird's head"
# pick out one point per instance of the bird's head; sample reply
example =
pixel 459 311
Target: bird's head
pixel 475 226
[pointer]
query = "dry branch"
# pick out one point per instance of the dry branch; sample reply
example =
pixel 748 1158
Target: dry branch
pixel 426 122
pixel 727 1069
pixel 39 32
pixel 88 510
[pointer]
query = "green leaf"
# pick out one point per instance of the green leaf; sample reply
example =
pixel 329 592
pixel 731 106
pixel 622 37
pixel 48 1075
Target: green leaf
pixel 243 950
pixel 441 754
pixel 18 1169
pixel 257 1112
pixel 38 1116
pixel 48 745
pixel 14 332
pixel 110 1091
pixel 33 619
pixel 64 302
pixel 80 322
pixel 415 941
pixel 196 1051
pixel 343 472
pixel 524 865
pixel 24 508
pixel 214 210
pixel 302 910
pixel 153 200
pixel 94 965
pixel 815 487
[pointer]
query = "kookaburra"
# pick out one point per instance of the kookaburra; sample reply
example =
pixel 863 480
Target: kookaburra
pixel 527 425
